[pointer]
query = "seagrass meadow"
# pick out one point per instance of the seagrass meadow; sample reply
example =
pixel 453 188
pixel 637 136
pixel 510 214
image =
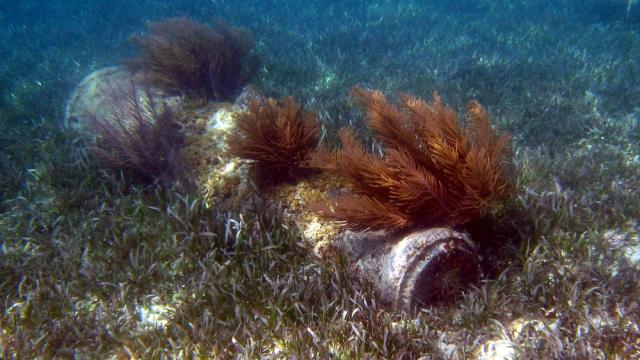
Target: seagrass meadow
pixel 100 262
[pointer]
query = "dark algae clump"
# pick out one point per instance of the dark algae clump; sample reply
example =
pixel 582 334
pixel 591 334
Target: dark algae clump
pixel 111 247
pixel 181 54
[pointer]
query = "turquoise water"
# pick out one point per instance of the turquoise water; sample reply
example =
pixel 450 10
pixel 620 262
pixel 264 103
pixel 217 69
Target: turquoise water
pixel 495 52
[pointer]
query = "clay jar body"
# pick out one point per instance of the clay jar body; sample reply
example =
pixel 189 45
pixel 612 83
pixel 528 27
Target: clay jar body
pixel 417 269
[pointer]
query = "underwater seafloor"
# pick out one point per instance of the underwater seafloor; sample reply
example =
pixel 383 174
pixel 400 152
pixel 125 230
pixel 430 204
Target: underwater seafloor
pixel 95 265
